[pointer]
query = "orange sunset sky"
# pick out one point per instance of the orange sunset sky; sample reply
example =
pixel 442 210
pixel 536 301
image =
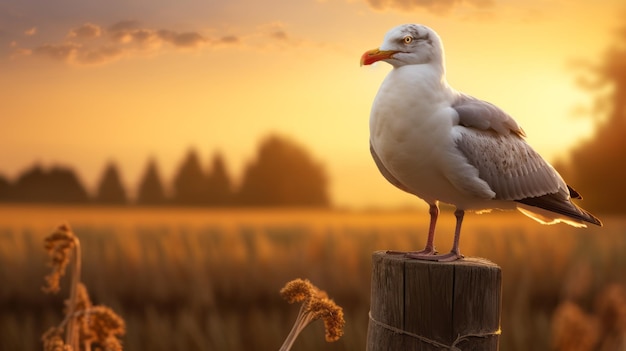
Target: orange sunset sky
pixel 86 82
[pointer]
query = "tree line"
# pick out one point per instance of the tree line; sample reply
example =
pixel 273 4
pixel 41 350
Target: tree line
pixel 597 166
pixel 283 173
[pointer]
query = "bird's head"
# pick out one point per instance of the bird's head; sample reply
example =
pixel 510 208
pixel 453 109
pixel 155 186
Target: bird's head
pixel 408 44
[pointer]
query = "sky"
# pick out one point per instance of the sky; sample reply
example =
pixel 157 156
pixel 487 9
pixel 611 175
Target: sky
pixel 87 82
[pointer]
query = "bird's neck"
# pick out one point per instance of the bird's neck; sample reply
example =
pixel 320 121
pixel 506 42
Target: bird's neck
pixel 439 69
pixel 423 78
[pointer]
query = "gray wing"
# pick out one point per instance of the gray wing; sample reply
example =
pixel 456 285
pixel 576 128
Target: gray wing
pixel 511 168
pixel 483 115
pixel 493 143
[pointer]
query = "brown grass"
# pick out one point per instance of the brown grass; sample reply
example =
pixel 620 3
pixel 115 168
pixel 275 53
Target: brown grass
pixel 85 327
pixel 209 280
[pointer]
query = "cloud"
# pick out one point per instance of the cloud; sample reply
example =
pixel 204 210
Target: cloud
pixel 435 6
pixel 99 55
pixel 61 52
pixel 31 31
pixel 276 34
pixel 276 30
pixel 94 44
pixel 279 35
pixel 130 32
pixel 229 39
pixel 75 53
pixel 184 39
pixel 86 31
pixel 126 32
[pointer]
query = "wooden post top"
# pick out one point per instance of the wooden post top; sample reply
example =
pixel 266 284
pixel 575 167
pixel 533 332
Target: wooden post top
pixel 472 261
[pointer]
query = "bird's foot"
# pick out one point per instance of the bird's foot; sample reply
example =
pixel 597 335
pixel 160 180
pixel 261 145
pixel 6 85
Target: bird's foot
pixel 449 257
pixel 428 251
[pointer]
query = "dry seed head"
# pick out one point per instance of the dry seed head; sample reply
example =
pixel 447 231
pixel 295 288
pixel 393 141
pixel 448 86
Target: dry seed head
pixel 112 344
pixel 58 245
pixel 297 290
pixel 101 324
pixel 53 340
pixel 83 302
pixel 319 294
pixel 332 314
pixel 316 305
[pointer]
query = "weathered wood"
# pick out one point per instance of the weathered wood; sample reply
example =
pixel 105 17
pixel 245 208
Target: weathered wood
pixel 423 306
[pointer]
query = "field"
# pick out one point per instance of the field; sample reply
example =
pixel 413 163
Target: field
pixel 193 279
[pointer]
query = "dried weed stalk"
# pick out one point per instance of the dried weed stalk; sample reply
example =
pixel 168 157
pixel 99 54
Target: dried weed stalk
pixel 86 327
pixel 603 329
pixel 315 305
pixel 573 329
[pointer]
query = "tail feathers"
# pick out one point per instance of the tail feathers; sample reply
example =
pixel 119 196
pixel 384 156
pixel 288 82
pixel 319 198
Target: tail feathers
pixel 552 208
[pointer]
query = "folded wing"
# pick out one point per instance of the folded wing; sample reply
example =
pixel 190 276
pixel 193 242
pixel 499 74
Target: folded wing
pixel 493 143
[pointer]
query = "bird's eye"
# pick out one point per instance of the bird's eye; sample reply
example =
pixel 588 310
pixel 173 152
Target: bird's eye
pixel 407 39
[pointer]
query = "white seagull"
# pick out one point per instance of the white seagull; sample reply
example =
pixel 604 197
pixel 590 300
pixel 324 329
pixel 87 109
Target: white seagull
pixel 445 146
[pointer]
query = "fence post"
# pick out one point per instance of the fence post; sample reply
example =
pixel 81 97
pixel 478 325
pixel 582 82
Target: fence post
pixel 423 306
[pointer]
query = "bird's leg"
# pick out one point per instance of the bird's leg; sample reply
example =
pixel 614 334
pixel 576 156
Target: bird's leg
pixel 434 214
pixel 455 253
pixel 430 246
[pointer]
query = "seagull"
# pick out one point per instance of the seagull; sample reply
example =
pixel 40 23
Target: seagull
pixel 442 145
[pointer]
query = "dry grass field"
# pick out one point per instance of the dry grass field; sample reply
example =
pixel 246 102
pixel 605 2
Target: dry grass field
pixel 194 279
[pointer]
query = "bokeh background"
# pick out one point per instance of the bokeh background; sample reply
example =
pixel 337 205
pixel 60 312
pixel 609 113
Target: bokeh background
pixel 207 152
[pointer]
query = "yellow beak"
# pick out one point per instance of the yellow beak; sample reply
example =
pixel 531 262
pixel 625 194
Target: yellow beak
pixel 376 55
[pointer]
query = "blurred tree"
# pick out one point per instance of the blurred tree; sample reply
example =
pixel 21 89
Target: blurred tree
pixel 190 184
pixel 219 185
pixel 59 184
pixel 597 167
pixel 283 174
pixel 151 191
pixel 110 190
pixel 69 187
pixel 5 188
pixel 31 186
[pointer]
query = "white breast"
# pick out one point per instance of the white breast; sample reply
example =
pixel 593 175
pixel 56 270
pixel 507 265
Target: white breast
pixel 410 129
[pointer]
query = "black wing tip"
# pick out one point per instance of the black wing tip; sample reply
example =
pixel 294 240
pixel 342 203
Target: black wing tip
pixel 573 193
pixel 591 218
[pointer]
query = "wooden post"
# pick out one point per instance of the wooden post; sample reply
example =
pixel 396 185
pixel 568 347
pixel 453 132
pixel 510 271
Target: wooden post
pixel 423 306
